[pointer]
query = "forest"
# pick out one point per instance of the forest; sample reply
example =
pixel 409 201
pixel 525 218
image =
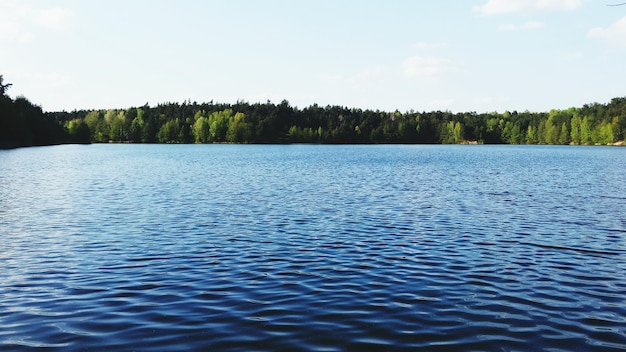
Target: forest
pixel 22 123
pixel 25 124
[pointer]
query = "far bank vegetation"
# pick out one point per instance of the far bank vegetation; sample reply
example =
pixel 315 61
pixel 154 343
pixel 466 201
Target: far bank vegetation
pixel 242 122
pixel 23 123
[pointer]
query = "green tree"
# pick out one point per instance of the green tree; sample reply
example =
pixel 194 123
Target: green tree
pixel 201 128
pixel 563 136
pixel 447 133
pixel 511 133
pixel 238 130
pixel 23 123
pixel 575 129
pixel 169 132
pixel 78 131
pixel 92 119
pixel 531 135
pixel 603 133
pixel 136 127
pixel 493 132
pixel 119 128
pixel 457 132
pixel 585 131
pixel 218 122
pixel 550 131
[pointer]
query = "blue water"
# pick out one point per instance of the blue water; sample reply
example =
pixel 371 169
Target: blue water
pixel 309 247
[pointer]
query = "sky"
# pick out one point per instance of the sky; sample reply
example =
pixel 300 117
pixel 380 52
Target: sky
pixel 420 55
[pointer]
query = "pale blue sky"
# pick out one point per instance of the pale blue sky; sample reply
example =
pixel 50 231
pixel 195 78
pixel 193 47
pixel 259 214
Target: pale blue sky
pixel 468 55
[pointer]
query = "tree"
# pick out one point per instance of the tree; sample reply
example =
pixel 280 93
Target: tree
pixel 169 132
pixel 136 127
pixel 585 131
pixel 201 128
pixel 563 136
pixel 457 132
pixel 23 123
pixel 271 123
pixel 511 133
pixel 238 130
pixel 531 135
pixel 550 131
pixel 4 87
pixel 603 133
pixel 452 133
pixel 575 129
pixel 78 131
pixel 218 122
pixel 119 128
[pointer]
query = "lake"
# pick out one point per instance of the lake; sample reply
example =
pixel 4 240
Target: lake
pixel 312 247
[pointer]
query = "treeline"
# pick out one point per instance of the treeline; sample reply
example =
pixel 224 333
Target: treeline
pixel 25 124
pixel 242 122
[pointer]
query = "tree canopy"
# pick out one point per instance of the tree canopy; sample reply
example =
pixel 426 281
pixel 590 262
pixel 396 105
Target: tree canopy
pixel 242 122
pixel 23 123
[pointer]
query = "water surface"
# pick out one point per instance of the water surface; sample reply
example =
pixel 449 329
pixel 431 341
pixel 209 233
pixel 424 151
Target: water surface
pixel 308 247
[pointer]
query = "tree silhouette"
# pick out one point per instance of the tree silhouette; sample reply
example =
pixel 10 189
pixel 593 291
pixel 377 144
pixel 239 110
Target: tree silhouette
pixel 3 87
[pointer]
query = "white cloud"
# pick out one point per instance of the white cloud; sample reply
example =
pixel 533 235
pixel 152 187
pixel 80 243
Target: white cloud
pixel 26 37
pixel 8 29
pixel 614 35
pixel 526 26
pixel 427 66
pixel 18 20
pixel 55 18
pixel 493 7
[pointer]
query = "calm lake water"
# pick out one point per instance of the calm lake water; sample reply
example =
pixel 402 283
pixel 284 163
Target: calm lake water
pixel 312 247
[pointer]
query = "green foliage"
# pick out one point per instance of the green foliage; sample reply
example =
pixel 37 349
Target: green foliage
pixel 78 131
pixel 136 127
pixel 585 131
pixel 201 128
pixel 169 132
pixel 119 127
pixel 603 133
pixel 218 124
pixel 531 135
pixel 575 123
pixel 511 133
pixel 270 123
pixel 550 132
pixel 452 133
pixel 281 123
pixel 563 136
pixel 238 129
pixel 24 124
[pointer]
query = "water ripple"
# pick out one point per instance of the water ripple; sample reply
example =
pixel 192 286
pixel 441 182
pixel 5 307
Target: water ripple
pixel 152 248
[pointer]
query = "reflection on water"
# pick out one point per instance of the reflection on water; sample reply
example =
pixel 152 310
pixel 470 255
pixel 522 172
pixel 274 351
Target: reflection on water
pixel 153 247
